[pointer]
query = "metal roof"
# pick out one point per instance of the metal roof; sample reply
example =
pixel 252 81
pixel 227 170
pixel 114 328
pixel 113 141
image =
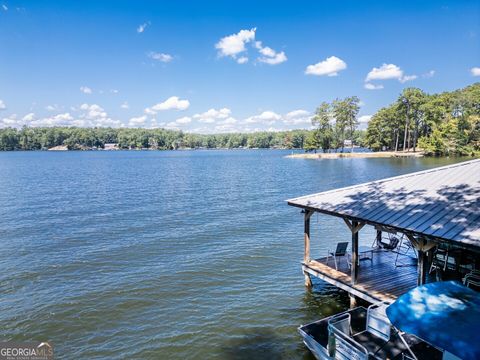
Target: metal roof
pixel 441 203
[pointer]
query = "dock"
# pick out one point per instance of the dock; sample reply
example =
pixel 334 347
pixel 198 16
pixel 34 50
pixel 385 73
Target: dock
pixel 436 211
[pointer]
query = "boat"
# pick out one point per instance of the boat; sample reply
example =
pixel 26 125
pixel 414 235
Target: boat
pixel 363 333
pixel 433 321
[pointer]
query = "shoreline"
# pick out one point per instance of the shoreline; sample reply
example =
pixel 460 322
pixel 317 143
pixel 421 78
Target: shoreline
pixel 379 154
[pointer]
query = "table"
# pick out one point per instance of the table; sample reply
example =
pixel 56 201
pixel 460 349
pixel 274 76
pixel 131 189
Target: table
pixel 365 253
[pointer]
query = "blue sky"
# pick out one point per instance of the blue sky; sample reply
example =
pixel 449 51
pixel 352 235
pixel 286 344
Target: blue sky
pixel 220 66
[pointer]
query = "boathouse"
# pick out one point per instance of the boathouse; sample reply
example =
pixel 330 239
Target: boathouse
pixel 436 211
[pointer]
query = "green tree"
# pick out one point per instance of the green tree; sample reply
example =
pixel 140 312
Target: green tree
pixel 345 113
pixel 322 120
pixel 311 141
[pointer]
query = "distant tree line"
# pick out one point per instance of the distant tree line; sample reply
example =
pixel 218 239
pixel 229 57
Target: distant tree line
pixel 440 124
pixel 42 138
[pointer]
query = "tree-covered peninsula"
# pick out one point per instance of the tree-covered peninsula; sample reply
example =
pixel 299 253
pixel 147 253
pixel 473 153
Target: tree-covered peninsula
pixel 440 124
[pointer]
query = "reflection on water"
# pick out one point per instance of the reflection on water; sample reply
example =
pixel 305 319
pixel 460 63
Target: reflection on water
pixel 178 255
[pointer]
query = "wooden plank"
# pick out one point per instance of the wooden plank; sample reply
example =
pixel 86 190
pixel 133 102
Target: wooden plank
pixel 348 223
pixel 359 227
pixel 331 280
pixel 354 253
pixel 422 259
pixel 380 281
pixel 306 235
pixel 379 237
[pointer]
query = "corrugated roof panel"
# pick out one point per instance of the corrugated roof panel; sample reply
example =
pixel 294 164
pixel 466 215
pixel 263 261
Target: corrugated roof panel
pixel 441 202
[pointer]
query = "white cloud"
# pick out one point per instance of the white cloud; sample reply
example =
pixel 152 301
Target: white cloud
pixel 85 115
pixel 298 117
pixel 406 78
pixel 266 51
pixel 114 91
pixel 137 121
pixel 4 7
pixel 93 115
pixel 29 117
pixel 297 113
pixel 364 119
pixel 165 58
pixel 272 121
pixel 429 74
pixel 85 89
pixel 270 56
pixel 370 86
pixel 2 105
pixel 10 121
pixel 149 111
pixel 277 59
pixel 184 120
pixel 172 126
pixel 228 121
pixel 172 103
pixel 234 44
pixel 125 105
pixel 242 60
pixel 93 111
pixel 54 107
pixel 63 119
pixel 212 115
pixel 385 72
pixel 475 71
pixel 266 117
pixel 141 28
pixel 329 67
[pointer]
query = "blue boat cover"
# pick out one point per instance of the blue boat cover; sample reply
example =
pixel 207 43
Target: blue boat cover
pixel 445 314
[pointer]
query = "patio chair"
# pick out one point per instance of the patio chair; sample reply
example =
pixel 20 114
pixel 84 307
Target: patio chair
pixel 472 278
pixel 340 251
pixel 392 244
pixel 440 260
pixel 381 244
pixel 404 248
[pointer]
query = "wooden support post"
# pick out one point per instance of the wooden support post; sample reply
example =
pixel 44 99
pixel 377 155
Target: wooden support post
pixel 422 262
pixel 379 237
pixel 308 280
pixel 423 246
pixel 354 274
pixel 353 301
pixel 306 235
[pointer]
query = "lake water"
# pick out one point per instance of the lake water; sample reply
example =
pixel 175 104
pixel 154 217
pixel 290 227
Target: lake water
pixel 168 255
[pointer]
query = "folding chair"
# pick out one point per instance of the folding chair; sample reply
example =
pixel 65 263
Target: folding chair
pixel 340 251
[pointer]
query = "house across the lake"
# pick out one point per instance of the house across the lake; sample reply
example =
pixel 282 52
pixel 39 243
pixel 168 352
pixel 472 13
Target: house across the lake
pixel 427 229
pixel 111 146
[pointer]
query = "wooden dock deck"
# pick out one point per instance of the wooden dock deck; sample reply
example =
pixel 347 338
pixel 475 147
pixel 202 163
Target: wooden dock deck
pixel 378 279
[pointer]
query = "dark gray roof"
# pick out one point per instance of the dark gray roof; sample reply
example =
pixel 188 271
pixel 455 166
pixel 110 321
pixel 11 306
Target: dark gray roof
pixel 440 203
